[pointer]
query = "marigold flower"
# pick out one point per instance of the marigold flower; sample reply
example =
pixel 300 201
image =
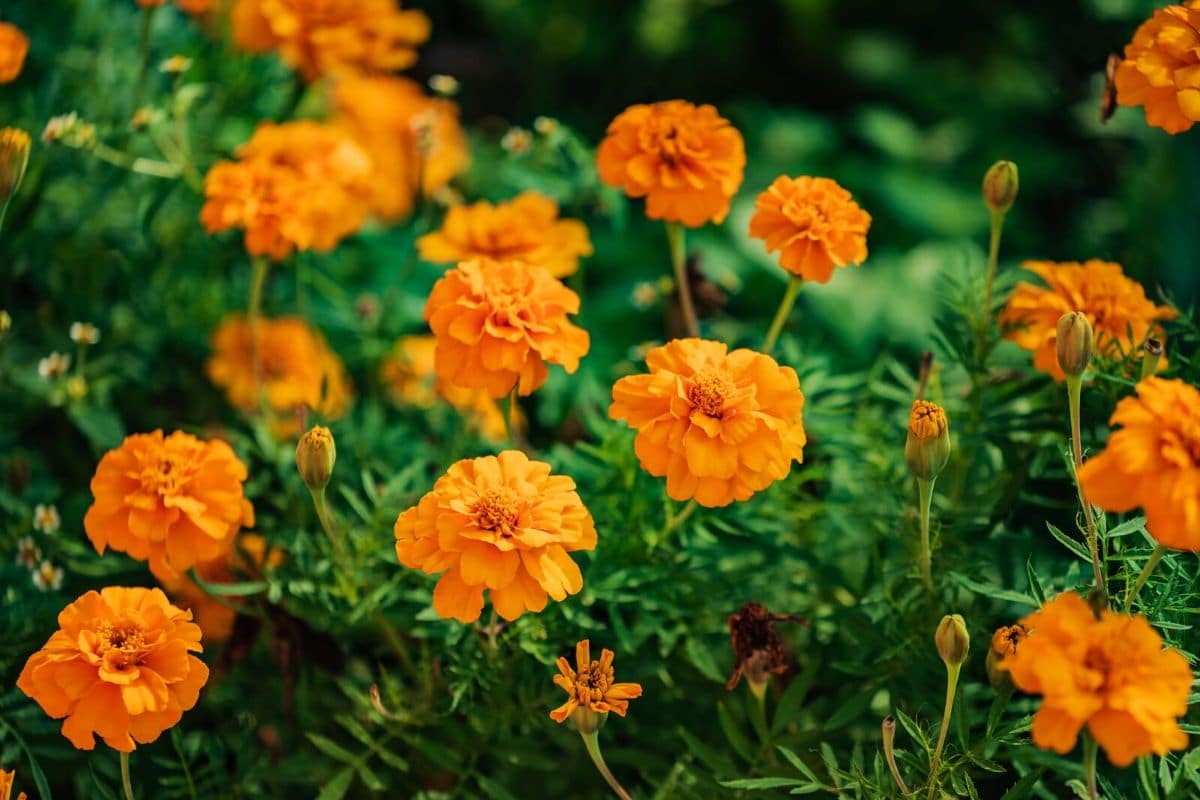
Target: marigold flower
pixel 526 228
pixel 1161 68
pixel 501 523
pixel 14 158
pixel 1110 674
pixel 1005 642
pixel 415 141
pixel 172 501
pixel 6 785
pixel 498 323
pixel 1153 462
pixel 813 223
pixel 247 556
pixel 301 185
pixel 324 37
pixel 296 367
pixel 1114 305
pixel 591 685
pixel 686 160
pixel 719 425
pixel 14 45
pixel 120 666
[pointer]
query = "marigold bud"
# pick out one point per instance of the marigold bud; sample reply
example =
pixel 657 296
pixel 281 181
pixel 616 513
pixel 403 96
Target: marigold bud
pixel 14 157
pixel 1152 353
pixel 1075 343
pixel 952 640
pixel 928 446
pixel 315 456
pixel 1005 641
pixel 1000 186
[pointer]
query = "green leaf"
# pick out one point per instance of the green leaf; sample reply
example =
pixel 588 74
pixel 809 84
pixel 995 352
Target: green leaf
pixel 1066 541
pixel 760 783
pixel 702 658
pixel 336 789
pixel 100 425
pixel 331 748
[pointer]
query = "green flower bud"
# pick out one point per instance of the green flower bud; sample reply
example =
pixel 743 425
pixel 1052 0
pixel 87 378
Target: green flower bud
pixel 927 448
pixel 315 456
pixel 952 640
pixel 1000 186
pixel 1075 343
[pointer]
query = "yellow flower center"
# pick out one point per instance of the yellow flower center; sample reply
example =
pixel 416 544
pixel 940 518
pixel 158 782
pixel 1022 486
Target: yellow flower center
pixel 122 644
pixel 592 684
pixel 709 391
pixel 164 477
pixel 927 421
pixel 498 510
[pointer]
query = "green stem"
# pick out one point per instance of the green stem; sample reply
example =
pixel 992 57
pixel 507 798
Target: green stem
pixel 258 278
pixel 1074 385
pixel 339 547
pixel 396 641
pixel 1089 765
pixel 993 260
pixel 144 50
pixel 678 519
pixel 125 782
pixel 1144 575
pixel 143 166
pixel 925 495
pixel 592 742
pixel 781 315
pixel 951 688
pixel 679 265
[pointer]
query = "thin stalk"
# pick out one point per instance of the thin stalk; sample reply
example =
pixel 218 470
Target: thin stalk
pixel 1089 765
pixel 1074 384
pixel 925 497
pixel 592 742
pixel 258 279
pixel 889 752
pixel 144 51
pixel 1144 575
pixel 781 315
pixel 993 260
pixel 125 782
pixel 339 547
pixel 396 641
pixel 951 688
pixel 680 518
pixel 510 423
pixel 4 212
pixel 138 164
pixel 679 265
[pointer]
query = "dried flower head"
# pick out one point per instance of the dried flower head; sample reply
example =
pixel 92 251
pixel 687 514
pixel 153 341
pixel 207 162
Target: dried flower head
pixel 14 45
pixel 592 689
pixel 46 519
pixel 758 651
pixel 1161 68
pixel 814 224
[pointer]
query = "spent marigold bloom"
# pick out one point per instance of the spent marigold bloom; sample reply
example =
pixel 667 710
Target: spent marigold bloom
pixel 297 369
pixel 719 425
pixel 244 558
pixel 300 185
pixel 1161 68
pixel 1114 305
pixel 686 160
pixel 331 37
pixel 501 523
pixel 170 500
pixel 1111 674
pixel 758 651
pixel 7 779
pixel 415 141
pixel 526 228
pixel 1153 462
pixel 14 45
pixel 120 666
pixel 813 223
pixel 591 687
pixel 498 324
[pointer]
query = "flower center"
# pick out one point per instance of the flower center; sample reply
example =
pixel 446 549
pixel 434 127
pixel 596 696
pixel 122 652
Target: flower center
pixel 927 420
pixel 163 477
pixel 122 644
pixel 592 683
pixel 709 391
pixel 498 510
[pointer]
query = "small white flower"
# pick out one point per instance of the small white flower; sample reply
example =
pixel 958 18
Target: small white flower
pixel 645 294
pixel 54 366
pixel 545 125
pixel 28 553
pixel 517 141
pixel 48 577
pixel 445 85
pixel 46 519
pixel 84 333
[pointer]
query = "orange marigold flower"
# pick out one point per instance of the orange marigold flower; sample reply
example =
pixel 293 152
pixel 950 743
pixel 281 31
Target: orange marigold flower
pixel 415 141
pixel 1110 674
pixel 1161 68
pixel 409 374
pixel 244 558
pixel 190 6
pixel 591 685
pixel 14 45
pixel 324 37
pixel 172 501
pixel 526 228
pixel 300 185
pixel 1153 462
pixel 120 666
pixel 296 367
pixel 1113 304
pixel 498 323
pixel 501 523
pixel 719 425
pixel 686 160
pixel 813 223
pixel 6 785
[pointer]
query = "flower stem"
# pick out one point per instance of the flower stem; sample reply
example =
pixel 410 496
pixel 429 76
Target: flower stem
pixel 1074 386
pixel 592 742
pixel 1144 575
pixel 125 782
pixel 1089 765
pixel 339 547
pixel 925 495
pixel 951 688
pixel 510 413
pixel 993 259
pixel 679 265
pixel 258 279
pixel 781 315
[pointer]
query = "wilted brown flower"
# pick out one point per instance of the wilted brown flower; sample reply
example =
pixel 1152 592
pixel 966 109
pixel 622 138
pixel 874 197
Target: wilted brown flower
pixel 757 649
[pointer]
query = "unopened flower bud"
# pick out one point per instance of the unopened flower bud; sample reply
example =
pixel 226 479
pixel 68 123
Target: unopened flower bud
pixel 1075 343
pixel 14 157
pixel 5 321
pixel 952 640
pixel 1152 353
pixel 928 446
pixel 315 456
pixel 1004 644
pixel 1000 186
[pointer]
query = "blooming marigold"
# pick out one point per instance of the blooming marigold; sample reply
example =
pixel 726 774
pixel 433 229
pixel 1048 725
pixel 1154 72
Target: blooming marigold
pixel 172 501
pixel 719 425
pixel 14 45
pixel 6 785
pixel 501 523
pixel 190 6
pixel 686 160
pixel 120 666
pixel 1114 305
pixel 301 185
pixel 591 685
pixel 415 141
pixel 526 228
pixel 1161 68
pixel 498 323
pixel 1110 674
pixel 246 557
pixel 296 367
pixel 813 223
pixel 323 37
pixel 1153 462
